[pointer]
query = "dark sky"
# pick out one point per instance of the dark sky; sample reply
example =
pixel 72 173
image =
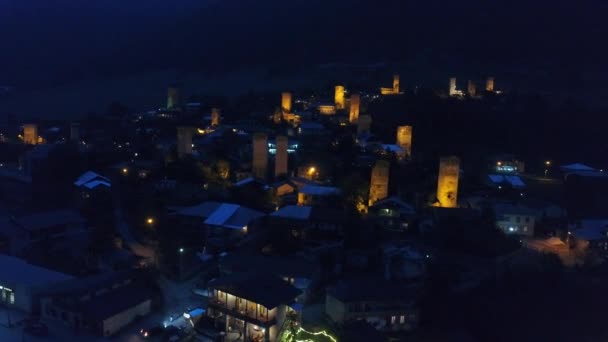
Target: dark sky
pixel 46 42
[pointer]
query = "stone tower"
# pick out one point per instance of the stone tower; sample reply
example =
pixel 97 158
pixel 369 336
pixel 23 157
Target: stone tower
pixel 286 102
pixel 490 84
pixel 404 139
pixel 30 134
pixel 260 155
pixel 453 91
pixel 447 182
pixel 281 159
pixel 172 97
pixel 215 117
pixel 396 84
pixel 364 124
pixel 184 141
pixel 378 187
pixel 471 88
pixel 355 105
pixel 339 97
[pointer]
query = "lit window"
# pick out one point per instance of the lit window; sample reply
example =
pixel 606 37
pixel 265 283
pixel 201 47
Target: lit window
pixel 393 319
pixel 401 319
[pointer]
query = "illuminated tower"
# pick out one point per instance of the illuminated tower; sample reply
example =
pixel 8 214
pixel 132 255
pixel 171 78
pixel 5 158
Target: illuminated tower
pixel 490 84
pixel 215 117
pixel 30 134
pixel 172 97
pixel 404 139
pixel 184 141
pixel 453 91
pixel 280 161
pixel 447 182
pixel 355 104
pixel 75 131
pixel 286 102
pixel 339 97
pixel 396 84
pixel 260 155
pixel 378 187
pixel 364 124
pixel 471 88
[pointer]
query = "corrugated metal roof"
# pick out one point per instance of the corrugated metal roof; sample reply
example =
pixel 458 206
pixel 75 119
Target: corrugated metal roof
pixel 221 214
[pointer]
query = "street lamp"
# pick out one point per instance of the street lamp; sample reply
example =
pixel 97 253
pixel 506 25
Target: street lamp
pixel 547 165
pixel 181 250
pixel 150 220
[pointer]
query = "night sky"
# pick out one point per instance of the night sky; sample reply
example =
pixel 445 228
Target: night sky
pixel 47 43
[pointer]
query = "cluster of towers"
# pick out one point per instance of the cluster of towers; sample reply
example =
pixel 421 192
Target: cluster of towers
pixel 394 90
pixel 471 87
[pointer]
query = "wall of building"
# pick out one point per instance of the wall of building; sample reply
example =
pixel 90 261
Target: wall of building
pixel 378 188
pixel 113 324
pixel 355 106
pixel 286 102
pixel 335 309
pixel 281 159
pixel 447 182
pixel 260 155
pixel 339 97
pixel 404 139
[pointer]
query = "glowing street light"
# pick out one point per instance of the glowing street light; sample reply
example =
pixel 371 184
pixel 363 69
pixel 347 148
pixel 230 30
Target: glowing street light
pixel 150 220
pixel 181 250
pixel 125 171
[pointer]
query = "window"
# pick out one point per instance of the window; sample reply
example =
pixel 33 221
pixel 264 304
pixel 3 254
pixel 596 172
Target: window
pixel 527 219
pixel 401 319
pixel 518 219
pixel 393 319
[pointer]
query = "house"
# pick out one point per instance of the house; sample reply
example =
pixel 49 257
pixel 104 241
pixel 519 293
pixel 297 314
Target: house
pixel 308 222
pixel 303 274
pixel 46 227
pixel 90 183
pixel 21 284
pixel 515 218
pixel 317 194
pixel 251 306
pixel 102 304
pixel 220 219
pixel 388 305
pixel 393 214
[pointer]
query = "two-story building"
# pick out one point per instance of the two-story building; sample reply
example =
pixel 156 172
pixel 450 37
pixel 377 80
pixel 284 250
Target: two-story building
pixel 515 218
pixel 250 307
pixel 388 305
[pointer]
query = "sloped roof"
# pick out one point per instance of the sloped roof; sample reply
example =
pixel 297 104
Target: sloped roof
pixel 319 190
pixel 577 167
pixel 294 212
pixel 17 271
pixel 90 176
pixel 48 219
pixel 270 291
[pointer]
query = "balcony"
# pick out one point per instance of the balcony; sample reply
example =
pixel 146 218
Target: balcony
pixel 247 311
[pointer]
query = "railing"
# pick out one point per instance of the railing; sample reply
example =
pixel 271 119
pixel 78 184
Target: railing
pixel 242 310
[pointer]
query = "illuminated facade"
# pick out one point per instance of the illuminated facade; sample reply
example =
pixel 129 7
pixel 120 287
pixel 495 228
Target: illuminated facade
pixel 453 91
pixel 281 159
pixel 404 139
pixel 490 84
pixel 471 88
pixel 286 102
pixel 327 109
pixel 396 84
pixel 215 117
pixel 30 134
pixel 75 131
pixel 172 97
pixel 447 182
pixel 364 124
pixel 184 141
pixel 355 104
pixel 394 90
pixel 378 188
pixel 339 97
pixel 260 155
